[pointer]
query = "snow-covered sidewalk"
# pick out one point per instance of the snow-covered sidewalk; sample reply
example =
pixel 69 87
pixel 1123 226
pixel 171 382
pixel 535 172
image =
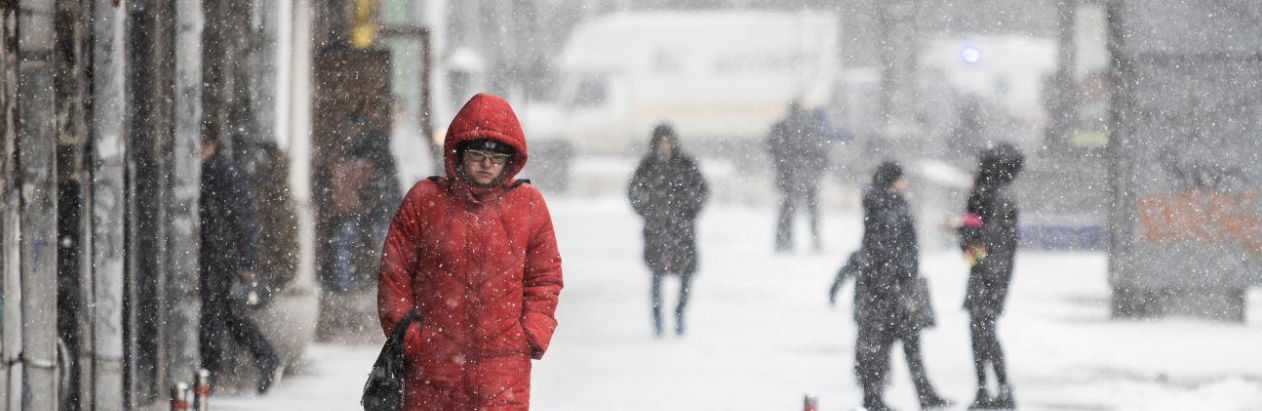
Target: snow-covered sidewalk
pixel 761 334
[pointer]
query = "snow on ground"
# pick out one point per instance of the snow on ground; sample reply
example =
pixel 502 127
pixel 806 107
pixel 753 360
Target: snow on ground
pixel 761 335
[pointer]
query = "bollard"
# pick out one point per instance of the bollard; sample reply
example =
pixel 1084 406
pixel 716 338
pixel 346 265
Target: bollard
pixel 810 403
pixel 179 397
pixel 201 390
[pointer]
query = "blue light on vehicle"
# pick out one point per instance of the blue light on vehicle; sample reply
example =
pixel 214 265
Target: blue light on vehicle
pixel 970 54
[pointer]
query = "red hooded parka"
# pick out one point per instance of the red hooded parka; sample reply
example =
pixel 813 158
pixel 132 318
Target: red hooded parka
pixel 481 266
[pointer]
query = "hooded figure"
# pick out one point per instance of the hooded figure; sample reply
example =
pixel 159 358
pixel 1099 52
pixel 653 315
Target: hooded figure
pixel 474 253
pixel 668 191
pixel 889 272
pixel 891 252
pixel 989 238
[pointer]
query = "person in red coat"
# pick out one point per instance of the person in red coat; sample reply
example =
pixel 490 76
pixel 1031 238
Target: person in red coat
pixel 475 254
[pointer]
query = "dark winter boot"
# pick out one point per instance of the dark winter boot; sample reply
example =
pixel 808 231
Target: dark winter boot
pixel 679 324
pixel 928 397
pixel 1004 400
pixel 933 401
pixel 983 401
pixel 872 400
pixel 270 372
pixel 877 405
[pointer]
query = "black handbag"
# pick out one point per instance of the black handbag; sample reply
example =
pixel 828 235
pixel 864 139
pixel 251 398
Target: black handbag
pixel 917 304
pixel 384 389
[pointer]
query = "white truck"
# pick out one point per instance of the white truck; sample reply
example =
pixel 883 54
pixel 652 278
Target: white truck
pixel 721 77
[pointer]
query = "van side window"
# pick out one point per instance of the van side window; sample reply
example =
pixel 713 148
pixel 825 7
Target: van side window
pixel 590 93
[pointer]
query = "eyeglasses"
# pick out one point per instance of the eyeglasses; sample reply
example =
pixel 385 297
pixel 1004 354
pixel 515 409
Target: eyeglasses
pixel 478 156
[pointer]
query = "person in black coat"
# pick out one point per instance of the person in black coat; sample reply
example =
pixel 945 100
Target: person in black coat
pixel 799 157
pixel 890 268
pixel 668 191
pixel 989 238
pixel 229 244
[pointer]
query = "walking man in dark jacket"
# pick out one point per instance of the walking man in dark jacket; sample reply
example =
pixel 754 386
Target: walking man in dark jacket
pixel 799 156
pixel 989 238
pixel 891 267
pixel 229 244
pixel 668 191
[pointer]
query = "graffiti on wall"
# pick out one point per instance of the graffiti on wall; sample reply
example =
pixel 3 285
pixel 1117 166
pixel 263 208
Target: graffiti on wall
pixel 1212 204
pixel 1202 217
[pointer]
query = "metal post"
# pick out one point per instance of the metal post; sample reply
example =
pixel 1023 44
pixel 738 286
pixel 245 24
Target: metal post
pixel 201 390
pixel 179 397
pixel 810 403
pixel 108 199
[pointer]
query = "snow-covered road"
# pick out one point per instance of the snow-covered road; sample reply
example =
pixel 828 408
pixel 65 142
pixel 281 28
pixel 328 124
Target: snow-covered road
pixel 761 334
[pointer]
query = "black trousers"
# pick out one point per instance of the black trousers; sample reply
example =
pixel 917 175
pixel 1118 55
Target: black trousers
pixel 793 200
pixel 986 349
pixel 872 362
pixel 220 321
pixel 685 286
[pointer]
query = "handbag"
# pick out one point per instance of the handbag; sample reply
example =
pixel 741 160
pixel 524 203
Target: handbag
pixel 917 304
pixel 252 295
pixel 384 389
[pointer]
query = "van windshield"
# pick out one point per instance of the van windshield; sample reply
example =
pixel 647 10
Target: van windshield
pixel 590 93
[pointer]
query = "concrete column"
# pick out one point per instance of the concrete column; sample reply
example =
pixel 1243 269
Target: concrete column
pixel 109 122
pixel 36 144
pixel 263 33
pixel 10 333
pixel 184 186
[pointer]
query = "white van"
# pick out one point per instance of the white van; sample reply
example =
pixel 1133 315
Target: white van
pixel 721 77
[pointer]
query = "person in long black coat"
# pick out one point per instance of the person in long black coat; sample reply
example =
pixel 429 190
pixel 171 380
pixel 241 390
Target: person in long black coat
pixel 890 267
pixel 989 239
pixel 668 191
pixel 229 249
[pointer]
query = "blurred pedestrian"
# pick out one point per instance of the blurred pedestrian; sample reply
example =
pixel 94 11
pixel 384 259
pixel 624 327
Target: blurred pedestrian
pixel 229 253
pixel 365 191
pixel 799 156
pixel 891 299
pixel 474 253
pixel 384 192
pixel 989 239
pixel 278 223
pixel 668 191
